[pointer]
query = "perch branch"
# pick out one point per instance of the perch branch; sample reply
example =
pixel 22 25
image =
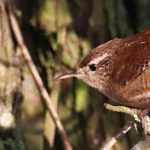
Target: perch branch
pixel 108 145
pixel 123 109
pixel 141 116
pixel 17 33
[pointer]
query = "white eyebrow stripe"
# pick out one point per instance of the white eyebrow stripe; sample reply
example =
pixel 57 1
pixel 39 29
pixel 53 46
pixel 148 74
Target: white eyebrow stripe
pixel 100 58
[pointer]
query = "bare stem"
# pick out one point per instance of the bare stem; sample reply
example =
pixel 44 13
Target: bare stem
pixel 108 145
pixel 123 109
pixel 36 76
pixel 140 116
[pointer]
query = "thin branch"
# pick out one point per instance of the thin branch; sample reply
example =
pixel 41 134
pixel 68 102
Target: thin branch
pixel 108 145
pixel 145 120
pixel 36 76
pixel 123 109
pixel 141 116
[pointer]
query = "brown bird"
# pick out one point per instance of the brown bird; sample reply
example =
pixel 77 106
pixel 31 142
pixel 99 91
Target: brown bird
pixel 120 69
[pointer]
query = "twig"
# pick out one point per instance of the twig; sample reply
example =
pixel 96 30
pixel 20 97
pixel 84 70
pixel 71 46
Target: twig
pixel 43 91
pixel 108 145
pixel 123 109
pixel 141 116
pixel 145 120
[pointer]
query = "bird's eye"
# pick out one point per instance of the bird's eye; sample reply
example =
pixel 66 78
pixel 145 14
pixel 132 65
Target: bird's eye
pixel 92 67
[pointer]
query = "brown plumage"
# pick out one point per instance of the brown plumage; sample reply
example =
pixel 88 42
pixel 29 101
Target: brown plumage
pixel 120 69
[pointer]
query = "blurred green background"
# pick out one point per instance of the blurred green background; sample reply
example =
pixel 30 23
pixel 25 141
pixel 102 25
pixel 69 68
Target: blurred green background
pixel 59 33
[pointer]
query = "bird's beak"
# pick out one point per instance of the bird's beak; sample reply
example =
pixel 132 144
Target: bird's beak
pixel 67 75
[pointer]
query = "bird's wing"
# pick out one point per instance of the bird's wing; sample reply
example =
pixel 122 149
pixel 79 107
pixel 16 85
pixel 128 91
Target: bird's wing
pixel 133 57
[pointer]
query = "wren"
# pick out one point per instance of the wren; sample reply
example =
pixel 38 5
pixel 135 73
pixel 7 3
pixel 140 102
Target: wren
pixel 119 69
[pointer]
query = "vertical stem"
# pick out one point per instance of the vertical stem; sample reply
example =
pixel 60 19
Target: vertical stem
pixel 43 91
